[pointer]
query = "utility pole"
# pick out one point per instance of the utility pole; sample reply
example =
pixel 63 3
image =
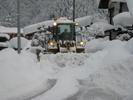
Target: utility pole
pixel 18 27
pixel 73 10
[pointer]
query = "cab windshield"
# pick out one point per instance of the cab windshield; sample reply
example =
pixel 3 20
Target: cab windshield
pixel 65 32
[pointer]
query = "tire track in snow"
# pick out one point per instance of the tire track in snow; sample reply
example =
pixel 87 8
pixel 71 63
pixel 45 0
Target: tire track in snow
pixel 96 93
pixel 51 85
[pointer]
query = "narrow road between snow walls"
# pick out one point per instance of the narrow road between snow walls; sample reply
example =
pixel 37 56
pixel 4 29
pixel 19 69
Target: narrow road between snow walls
pixel 104 72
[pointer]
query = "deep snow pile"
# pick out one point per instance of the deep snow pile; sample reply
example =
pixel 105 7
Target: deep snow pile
pixel 20 76
pixel 104 72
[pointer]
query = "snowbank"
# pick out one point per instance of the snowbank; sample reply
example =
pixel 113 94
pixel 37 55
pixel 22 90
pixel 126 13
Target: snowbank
pixel 13 42
pixel 100 44
pixel 123 19
pixel 20 76
pixel 129 46
pixel 104 72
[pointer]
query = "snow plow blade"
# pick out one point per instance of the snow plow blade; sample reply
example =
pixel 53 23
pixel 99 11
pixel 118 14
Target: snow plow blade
pixel 80 50
pixel 54 51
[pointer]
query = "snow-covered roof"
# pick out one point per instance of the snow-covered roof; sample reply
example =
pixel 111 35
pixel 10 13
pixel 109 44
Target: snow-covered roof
pixel 9 29
pixel 123 19
pixel 34 28
pixel 84 21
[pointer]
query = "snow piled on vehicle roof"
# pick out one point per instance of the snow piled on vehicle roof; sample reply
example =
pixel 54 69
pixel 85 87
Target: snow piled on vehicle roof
pixel 123 19
pixel 99 28
pixel 63 20
pixel 102 26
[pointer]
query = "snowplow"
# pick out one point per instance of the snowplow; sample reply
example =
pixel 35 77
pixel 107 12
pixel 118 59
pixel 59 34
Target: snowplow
pixel 64 38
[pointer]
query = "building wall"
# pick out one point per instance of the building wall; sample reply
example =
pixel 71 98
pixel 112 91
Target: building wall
pixel 114 7
pixel 118 7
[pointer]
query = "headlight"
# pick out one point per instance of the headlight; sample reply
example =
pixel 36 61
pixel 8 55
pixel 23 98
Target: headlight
pixel 77 24
pixel 51 43
pixel 82 43
pixel 55 24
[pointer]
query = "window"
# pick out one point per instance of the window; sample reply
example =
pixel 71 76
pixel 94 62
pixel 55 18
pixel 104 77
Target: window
pixel 63 28
pixel 65 32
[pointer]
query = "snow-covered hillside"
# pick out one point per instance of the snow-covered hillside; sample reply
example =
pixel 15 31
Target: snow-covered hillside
pixel 104 72
pixel 34 11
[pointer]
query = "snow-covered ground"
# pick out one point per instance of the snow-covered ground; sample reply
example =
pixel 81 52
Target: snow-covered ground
pixel 104 72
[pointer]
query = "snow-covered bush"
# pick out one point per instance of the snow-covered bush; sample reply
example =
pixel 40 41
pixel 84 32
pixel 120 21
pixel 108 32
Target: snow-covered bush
pixel 123 37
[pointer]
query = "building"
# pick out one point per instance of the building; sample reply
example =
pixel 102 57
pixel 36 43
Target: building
pixel 114 7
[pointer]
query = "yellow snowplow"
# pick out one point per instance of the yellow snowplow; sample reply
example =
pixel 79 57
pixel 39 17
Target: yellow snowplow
pixel 64 37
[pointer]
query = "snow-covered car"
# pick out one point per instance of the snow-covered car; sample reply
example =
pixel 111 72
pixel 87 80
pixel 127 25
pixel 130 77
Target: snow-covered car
pixel 14 44
pixel 123 19
pixel 99 29
pixel 4 41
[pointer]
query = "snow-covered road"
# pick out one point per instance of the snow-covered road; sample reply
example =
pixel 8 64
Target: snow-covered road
pixel 104 72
